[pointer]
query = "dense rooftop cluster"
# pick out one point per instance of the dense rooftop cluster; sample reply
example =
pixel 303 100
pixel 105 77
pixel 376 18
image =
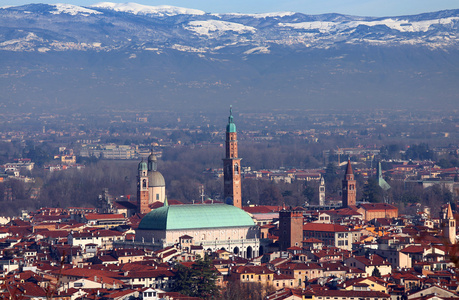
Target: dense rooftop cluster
pixel 79 253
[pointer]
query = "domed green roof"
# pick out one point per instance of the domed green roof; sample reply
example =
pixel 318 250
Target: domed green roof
pixel 143 166
pixel 231 127
pixel 197 216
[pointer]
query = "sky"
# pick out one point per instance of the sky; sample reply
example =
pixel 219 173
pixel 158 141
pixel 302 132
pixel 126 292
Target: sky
pixel 376 8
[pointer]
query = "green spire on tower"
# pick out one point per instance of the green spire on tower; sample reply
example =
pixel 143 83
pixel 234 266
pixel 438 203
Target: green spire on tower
pixel 231 127
pixel 381 182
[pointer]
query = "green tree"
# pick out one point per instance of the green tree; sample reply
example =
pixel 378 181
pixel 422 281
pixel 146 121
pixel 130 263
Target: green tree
pixel 197 281
pixel 331 173
pixel 373 192
pixel 183 280
pixel 271 195
pixel 205 278
pixel 309 193
pixel 236 290
pixel 420 151
pixel 376 273
pixel 38 154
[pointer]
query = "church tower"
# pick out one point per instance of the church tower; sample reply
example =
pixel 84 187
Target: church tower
pixel 156 182
pixel 349 191
pixel 449 226
pixel 232 166
pixel 142 188
pixel 151 186
pixel 322 191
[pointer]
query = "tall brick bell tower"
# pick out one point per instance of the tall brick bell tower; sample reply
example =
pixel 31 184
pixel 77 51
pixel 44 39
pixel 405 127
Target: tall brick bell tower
pixel 142 189
pixel 349 187
pixel 232 167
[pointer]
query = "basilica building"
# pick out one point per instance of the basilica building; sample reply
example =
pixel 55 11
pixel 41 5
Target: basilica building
pixel 212 226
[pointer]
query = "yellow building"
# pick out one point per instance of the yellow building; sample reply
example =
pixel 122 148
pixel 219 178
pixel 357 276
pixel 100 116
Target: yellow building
pixel 252 274
pixel 301 272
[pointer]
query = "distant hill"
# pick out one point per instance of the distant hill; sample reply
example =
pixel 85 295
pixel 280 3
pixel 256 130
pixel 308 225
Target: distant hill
pixel 122 56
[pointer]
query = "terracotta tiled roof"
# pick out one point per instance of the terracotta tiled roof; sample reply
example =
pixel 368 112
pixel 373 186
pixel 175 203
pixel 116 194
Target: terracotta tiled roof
pixel 300 266
pixel 324 227
pixel 261 209
pixel 312 240
pixel 374 260
pixel 103 216
pixel 413 249
pixel 355 294
pixel 149 274
pixel 86 272
pixel 177 296
pixel 377 206
pixel 253 269
pixel 282 277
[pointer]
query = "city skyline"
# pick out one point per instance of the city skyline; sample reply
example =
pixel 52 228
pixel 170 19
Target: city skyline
pixel 375 8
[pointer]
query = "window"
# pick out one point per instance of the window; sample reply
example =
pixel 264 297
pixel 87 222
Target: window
pixel 157 196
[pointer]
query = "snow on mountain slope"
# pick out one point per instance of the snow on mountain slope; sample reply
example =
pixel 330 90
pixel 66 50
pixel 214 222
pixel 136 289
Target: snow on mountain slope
pixel 211 27
pixel 72 9
pixel 323 27
pixel 193 29
pixel 139 9
pixel 401 25
pixel 259 16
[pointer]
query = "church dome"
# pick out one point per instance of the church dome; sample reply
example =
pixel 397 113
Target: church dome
pixel 155 179
pixel 152 157
pixel 190 216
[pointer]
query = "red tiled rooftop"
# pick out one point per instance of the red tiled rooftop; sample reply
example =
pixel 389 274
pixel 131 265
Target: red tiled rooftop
pixel 103 216
pixel 324 227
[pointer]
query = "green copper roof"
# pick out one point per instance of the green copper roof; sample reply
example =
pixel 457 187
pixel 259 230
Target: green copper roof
pixel 143 166
pixel 382 183
pixel 231 127
pixel 190 216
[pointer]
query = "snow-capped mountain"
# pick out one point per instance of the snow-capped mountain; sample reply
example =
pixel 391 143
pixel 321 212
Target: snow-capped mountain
pixel 64 56
pixel 139 9
pixel 109 26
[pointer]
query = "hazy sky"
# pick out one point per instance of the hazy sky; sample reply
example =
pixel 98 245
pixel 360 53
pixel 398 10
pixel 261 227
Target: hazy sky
pixel 352 7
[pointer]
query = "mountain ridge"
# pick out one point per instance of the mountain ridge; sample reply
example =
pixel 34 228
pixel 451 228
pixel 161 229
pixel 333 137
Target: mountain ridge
pixel 107 26
pixel 69 58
